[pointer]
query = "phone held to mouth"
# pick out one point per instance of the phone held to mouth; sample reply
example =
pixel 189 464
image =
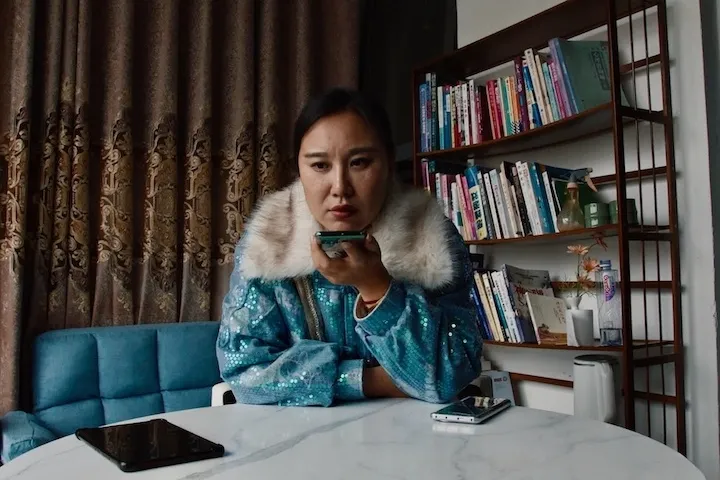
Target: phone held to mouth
pixel 329 238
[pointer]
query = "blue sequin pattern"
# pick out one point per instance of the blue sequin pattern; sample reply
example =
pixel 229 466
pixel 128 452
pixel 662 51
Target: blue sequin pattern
pixel 427 341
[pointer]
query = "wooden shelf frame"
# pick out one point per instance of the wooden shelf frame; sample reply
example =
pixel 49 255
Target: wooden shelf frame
pixel 583 125
pixel 516 378
pixel 587 348
pixel 636 233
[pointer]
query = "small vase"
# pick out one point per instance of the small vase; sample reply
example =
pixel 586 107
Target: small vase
pixel 582 326
pixel 579 324
pixel 572 302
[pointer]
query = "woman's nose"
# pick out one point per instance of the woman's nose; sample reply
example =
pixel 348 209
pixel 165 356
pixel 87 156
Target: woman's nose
pixel 342 187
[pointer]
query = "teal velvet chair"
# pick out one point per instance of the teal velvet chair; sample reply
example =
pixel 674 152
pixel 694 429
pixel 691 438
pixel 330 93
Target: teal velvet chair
pixel 95 376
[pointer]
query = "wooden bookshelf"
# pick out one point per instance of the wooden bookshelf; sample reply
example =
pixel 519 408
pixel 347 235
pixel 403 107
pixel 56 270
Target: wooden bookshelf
pixel 610 230
pixel 638 175
pixel 617 121
pixel 655 285
pixel 584 124
pixel 569 236
pixel 590 348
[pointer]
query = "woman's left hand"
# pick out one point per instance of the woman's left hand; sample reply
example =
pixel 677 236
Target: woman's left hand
pixel 361 268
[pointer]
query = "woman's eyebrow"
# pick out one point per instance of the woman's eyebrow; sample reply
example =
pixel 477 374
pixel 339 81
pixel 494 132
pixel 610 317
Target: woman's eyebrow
pixel 368 149
pixel 352 151
pixel 315 155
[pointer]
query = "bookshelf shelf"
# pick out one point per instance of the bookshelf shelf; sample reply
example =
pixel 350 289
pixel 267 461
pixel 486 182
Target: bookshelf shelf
pixel 644 174
pixel 569 236
pixel 594 348
pixel 639 64
pixel 528 87
pixel 584 124
pixel 645 233
pixel 634 284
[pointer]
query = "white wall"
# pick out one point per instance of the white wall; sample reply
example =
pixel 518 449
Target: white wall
pixel 710 14
pixel 478 18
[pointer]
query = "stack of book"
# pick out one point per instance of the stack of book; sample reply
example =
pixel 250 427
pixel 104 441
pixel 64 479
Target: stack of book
pixel 515 200
pixel 518 306
pixel 572 77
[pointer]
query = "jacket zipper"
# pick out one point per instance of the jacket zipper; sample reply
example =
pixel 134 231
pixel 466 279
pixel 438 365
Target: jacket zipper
pixel 313 309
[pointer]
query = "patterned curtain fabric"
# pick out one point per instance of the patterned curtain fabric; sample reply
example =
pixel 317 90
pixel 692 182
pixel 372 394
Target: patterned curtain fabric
pixel 135 138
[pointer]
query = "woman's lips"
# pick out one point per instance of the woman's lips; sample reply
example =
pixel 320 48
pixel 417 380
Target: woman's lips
pixel 342 212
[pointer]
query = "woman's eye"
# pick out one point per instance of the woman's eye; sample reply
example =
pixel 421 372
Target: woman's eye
pixel 320 166
pixel 360 162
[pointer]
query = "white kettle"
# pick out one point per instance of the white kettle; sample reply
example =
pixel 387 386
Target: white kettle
pixel 594 387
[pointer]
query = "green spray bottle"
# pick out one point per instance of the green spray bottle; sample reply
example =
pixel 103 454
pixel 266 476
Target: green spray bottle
pixel 571 216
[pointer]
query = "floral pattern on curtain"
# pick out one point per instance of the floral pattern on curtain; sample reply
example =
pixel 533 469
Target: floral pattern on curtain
pixel 135 139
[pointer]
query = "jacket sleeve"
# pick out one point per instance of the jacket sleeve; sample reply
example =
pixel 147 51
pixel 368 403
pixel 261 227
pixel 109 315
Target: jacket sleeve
pixel 428 342
pixel 265 363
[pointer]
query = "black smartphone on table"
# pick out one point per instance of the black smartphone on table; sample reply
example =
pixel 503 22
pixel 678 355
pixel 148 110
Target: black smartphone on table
pixel 134 447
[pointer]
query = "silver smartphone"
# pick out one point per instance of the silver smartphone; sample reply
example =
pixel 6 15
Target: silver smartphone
pixel 471 410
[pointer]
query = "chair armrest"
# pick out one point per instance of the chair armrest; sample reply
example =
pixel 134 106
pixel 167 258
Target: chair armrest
pixel 221 395
pixel 21 432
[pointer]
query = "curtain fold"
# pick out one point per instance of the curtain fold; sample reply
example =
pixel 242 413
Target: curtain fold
pixel 135 139
pixel 17 59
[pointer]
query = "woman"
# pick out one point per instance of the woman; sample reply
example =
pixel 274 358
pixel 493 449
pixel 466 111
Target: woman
pixel 390 316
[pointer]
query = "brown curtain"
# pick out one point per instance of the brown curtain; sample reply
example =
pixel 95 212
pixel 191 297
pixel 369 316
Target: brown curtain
pixel 135 138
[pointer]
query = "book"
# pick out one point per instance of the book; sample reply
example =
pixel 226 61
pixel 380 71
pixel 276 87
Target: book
pixel 514 200
pixel 541 88
pixel 499 297
pixel 519 281
pixel 585 66
pixel 548 318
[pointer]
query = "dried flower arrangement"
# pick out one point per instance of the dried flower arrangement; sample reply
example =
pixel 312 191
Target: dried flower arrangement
pixel 586 265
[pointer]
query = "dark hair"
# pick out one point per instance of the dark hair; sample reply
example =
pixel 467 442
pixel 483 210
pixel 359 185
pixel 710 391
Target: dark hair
pixel 339 100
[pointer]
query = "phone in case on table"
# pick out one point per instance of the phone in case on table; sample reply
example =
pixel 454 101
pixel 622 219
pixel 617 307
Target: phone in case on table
pixel 472 410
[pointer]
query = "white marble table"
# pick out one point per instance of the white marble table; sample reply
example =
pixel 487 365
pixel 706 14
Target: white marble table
pixel 393 439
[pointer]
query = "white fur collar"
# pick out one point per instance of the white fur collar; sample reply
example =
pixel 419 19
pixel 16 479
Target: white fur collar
pixel 411 232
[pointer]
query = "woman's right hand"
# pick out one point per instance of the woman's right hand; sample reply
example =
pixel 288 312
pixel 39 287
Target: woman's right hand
pixel 362 267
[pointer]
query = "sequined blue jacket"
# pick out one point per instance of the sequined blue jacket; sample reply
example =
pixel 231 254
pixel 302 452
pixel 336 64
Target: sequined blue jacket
pixel 424 332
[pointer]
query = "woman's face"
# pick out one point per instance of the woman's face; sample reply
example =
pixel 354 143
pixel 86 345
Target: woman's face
pixel 344 171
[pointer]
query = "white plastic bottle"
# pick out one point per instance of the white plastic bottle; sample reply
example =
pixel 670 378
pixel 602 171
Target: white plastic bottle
pixel 609 306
